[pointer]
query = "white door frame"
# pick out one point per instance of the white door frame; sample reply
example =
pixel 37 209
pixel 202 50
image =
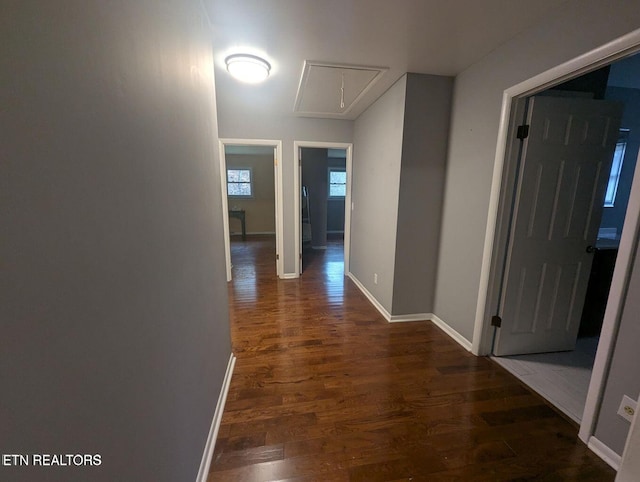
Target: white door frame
pixel 297 145
pixel 277 145
pixel 490 276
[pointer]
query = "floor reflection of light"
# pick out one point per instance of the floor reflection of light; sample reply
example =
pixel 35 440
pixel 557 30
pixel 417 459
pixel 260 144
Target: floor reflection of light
pixel 244 281
pixel 334 281
pixel 334 270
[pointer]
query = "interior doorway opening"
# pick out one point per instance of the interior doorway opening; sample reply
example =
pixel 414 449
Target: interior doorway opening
pixel 323 205
pixel 565 376
pixel 252 194
pixel 323 192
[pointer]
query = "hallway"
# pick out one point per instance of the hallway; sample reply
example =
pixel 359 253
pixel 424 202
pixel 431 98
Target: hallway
pixel 325 389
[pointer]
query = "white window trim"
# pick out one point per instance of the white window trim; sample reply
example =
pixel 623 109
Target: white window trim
pixel 623 138
pixel 241 196
pixel 336 169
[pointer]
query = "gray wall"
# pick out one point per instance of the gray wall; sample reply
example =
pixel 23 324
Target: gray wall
pixel 256 121
pixel 400 147
pixel 260 210
pixel 624 373
pixel 314 177
pixel 614 217
pixel 424 153
pixel 114 325
pixel 377 154
pixel 582 25
pixel 630 466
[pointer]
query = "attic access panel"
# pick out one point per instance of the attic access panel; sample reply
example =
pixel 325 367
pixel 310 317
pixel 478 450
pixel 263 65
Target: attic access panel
pixel 321 88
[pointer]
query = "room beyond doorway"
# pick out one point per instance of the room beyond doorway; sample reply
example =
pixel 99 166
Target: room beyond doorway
pixel 251 181
pixel 564 378
pixel 322 198
pixel 324 180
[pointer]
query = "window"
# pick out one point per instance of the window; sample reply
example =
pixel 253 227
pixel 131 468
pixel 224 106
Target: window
pixel 616 168
pixel 240 182
pixel 337 182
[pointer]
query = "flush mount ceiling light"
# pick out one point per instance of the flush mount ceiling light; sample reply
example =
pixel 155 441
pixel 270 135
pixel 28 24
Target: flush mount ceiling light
pixel 248 68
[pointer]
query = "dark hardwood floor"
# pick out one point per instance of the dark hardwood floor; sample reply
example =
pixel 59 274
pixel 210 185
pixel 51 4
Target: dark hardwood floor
pixel 325 389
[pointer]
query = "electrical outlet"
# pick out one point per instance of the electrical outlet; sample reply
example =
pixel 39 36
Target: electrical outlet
pixel 627 408
pixel 375 278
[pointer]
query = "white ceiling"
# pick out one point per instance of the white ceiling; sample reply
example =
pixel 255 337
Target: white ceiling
pixel 424 36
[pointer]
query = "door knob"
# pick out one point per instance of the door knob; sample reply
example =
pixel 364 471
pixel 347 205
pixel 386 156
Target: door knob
pixel 591 249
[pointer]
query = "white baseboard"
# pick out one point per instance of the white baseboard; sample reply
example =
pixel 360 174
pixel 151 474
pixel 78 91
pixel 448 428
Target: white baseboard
pixel 289 276
pixel 462 341
pixel 385 314
pixel 410 317
pixel 318 247
pixel 205 463
pixel 233 233
pixel 605 453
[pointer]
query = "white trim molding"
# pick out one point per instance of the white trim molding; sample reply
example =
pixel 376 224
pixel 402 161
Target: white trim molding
pixel 462 341
pixel 385 314
pixel 457 337
pixel 613 312
pixel 225 207
pixel 605 453
pixel 290 276
pixel 205 463
pixel 410 317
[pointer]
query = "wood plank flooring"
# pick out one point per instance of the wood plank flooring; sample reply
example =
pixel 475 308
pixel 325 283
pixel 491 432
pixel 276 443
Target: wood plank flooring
pixel 325 389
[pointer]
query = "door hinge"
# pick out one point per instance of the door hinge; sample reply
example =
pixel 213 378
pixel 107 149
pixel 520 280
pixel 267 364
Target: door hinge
pixel 300 255
pixel 496 321
pixel 275 161
pixel 277 256
pixel 523 132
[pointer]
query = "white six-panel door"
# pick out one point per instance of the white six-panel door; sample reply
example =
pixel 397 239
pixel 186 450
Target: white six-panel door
pixel 564 170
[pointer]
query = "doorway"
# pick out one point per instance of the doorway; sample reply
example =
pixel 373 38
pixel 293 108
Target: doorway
pixel 323 176
pixel 563 373
pixel 322 185
pixel 252 205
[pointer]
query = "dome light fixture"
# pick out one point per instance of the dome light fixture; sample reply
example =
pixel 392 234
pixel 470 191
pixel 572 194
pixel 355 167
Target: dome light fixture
pixel 248 68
